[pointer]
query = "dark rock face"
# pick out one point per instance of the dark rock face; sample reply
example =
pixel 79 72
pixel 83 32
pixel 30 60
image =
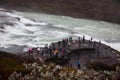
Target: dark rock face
pixel 107 10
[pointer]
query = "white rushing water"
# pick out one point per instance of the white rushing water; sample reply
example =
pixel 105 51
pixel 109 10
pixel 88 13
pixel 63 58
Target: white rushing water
pixel 108 33
pixel 37 29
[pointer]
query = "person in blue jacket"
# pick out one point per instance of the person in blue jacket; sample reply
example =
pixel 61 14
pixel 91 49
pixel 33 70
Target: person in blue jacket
pixel 78 65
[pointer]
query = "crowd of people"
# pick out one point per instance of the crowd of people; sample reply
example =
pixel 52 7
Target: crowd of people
pixel 62 48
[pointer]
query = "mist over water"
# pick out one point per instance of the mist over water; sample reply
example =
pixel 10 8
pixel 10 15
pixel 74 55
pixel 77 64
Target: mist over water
pixel 37 29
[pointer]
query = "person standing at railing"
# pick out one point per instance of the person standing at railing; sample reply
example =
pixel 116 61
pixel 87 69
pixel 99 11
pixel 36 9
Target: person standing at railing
pixel 79 41
pixel 83 39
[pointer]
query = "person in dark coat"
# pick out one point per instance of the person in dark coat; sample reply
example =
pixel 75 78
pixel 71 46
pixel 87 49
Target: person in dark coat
pixel 79 41
pixel 83 39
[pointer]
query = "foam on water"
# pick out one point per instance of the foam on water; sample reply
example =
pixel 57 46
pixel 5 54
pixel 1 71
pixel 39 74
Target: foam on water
pixel 35 29
pixel 106 32
pixel 34 34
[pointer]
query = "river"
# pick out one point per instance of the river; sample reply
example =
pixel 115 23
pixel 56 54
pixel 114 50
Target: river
pixel 38 29
pixel 65 26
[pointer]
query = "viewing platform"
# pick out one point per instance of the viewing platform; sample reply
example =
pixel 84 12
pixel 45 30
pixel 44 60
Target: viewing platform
pixel 68 52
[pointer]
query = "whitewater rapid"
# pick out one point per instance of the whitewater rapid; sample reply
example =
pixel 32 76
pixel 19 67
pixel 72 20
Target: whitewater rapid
pixel 37 29
pixel 103 31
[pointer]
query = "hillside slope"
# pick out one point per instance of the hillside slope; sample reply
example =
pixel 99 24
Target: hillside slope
pixel 10 63
pixel 107 10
